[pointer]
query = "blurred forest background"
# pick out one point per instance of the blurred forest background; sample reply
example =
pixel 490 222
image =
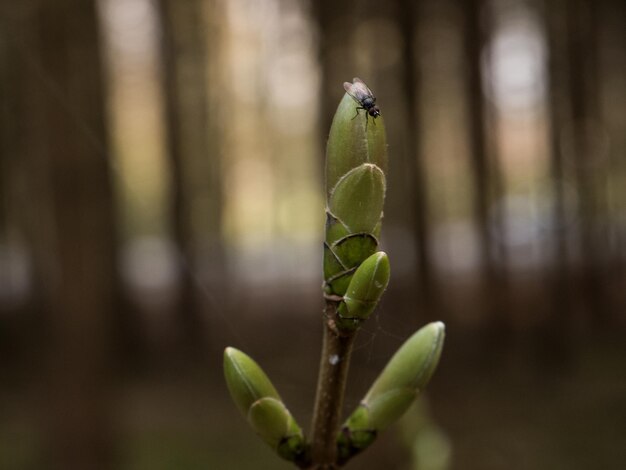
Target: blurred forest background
pixel 162 198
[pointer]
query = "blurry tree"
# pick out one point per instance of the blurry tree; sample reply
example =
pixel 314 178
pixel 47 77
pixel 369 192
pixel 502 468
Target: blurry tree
pixel 486 180
pixel 9 123
pixel 70 225
pixel 583 134
pixel 57 213
pixel 407 18
pixel 194 154
pixel 579 159
pixel 555 331
pixel 336 22
pixel 612 72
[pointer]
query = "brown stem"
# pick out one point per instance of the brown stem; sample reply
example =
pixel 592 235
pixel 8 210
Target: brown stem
pixel 331 384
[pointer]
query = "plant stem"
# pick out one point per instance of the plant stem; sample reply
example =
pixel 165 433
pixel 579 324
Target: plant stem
pixel 331 384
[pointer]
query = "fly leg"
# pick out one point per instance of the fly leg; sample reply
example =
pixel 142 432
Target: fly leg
pixel 357 111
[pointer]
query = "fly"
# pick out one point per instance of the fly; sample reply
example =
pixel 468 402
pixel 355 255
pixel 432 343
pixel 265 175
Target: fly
pixel 360 93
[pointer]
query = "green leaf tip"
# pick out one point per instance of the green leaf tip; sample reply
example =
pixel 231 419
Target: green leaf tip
pixel 259 402
pixel 402 380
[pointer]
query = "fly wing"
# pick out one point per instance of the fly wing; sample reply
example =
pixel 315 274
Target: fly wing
pixel 361 83
pixel 358 90
pixel 353 92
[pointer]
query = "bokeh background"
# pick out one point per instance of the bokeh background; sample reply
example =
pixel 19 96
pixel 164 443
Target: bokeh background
pixel 162 198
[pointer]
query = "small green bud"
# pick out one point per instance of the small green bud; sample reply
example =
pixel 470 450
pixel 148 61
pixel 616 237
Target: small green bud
pixel 413 364
pixel 402 380
pixel 258 400
pixel 245 379
pixel 386 408
pixel 355 435
pixel 364 291
pixel 274 424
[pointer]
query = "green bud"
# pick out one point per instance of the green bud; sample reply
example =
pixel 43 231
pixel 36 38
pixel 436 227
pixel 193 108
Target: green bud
pixel 246 381
pixel 332 263
pixel 338 284
pixel 274 424
pixel 356 209
pixel 356 161
pixel 354 249
pixel 364 291
pixel 357 199
pixel 386 408
pixel 413 364
pixel 353 140
pixel 258 400
pixel 355 435
pixel 404 377
pixel 334 229
pixel 343 257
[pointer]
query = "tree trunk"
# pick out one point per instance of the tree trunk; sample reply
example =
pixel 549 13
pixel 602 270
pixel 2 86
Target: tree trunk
pixel 486 178
pixel 194 157
pixel 72 222
pixel 584 132
pixel 411 80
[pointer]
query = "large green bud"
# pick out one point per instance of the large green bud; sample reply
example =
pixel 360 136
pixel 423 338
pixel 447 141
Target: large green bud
pixel 395 389
pixel 356 161
pixel 259 402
